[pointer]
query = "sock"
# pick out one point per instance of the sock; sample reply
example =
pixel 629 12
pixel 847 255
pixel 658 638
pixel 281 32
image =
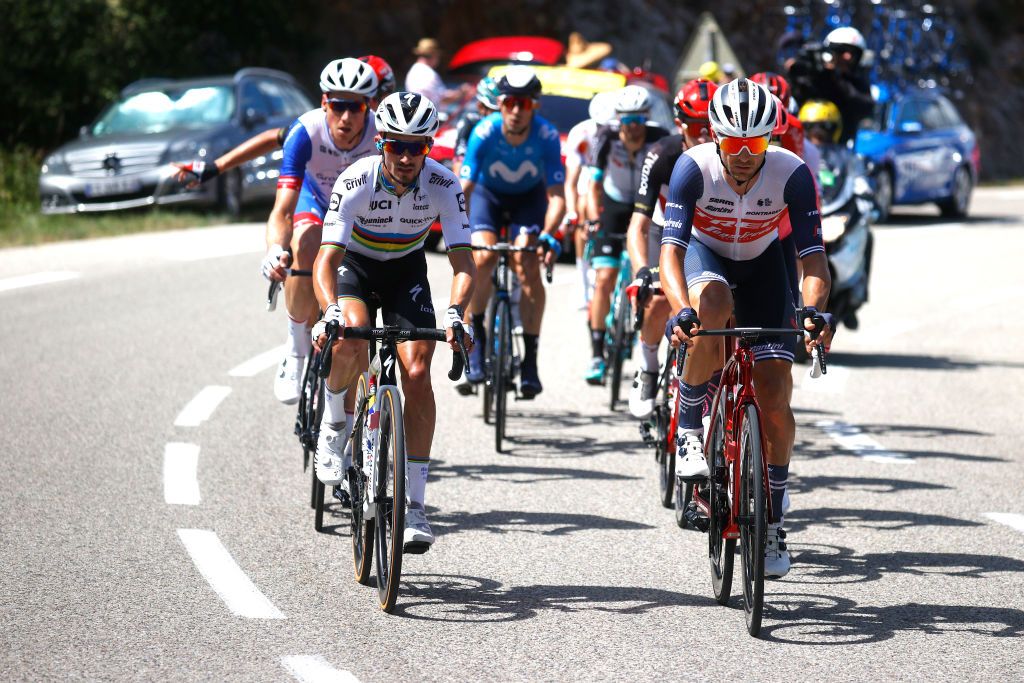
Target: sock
pixel 778 475
pixel 581 268
pixel 597 343
pixel 648 357
pixel 691 401
pixel 530 342
pixel 334 410
pixel 299 339
pixel 416 474
pixel 716 379
pixel 480 329
pixel 350 421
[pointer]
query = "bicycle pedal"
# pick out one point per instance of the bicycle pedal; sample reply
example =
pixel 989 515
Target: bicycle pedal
pixel 415 548
pixel 342 496
pixel 696 521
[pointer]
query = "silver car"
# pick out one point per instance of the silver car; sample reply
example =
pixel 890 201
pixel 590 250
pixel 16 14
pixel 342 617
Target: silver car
pixel 122 160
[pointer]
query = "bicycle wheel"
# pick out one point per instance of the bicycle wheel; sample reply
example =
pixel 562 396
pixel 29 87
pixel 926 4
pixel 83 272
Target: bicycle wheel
pixel 753 506
pixel 389 496
pixel 721 551
pixel 619 348
pixel 361 529
pixel 318 487
pixel 303 425
pixel 488 392
pixel 502 367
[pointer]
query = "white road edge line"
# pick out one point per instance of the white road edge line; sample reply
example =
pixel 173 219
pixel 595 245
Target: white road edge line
pixel 258 364
pixel 200 408
pixel 315 669
pixel 832 382
pixel 34 279
pixel 181 487
pixel 219 569
pixel 1010 519
pixel 853 439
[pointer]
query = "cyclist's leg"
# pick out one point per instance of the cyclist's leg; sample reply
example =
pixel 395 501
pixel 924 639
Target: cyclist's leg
pixel 485 219
pixel 607 250
pixel 580 237
pixel 526 218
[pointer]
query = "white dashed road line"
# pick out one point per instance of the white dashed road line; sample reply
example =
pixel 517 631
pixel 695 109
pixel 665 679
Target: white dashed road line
pixel 219 569
pixel 36 279
pixel 1012 520
pixel 832 382
pixel 853 439
pixel 315 669
pixel 202 406
pixel 181 487
pixel 258 364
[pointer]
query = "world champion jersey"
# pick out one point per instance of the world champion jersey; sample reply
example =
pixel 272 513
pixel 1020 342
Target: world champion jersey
pixel 737 227
pixel 499 166
pixel 366 217
pixel 312 161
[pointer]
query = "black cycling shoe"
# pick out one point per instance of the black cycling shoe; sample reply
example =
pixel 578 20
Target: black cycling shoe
pixel 529 383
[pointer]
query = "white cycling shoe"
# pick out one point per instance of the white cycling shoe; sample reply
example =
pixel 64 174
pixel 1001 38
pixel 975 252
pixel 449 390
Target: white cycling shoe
pixel 776 556
pixel 331 455
pixel 417 538
pixel 690 462
pixel 641 396
pixel 288 383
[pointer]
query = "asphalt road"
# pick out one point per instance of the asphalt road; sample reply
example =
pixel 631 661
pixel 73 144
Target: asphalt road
pixel 553 562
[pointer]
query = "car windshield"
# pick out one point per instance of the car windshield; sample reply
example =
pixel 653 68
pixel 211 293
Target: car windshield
pixel 155 111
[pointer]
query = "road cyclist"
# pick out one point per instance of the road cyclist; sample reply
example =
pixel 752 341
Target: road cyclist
pixel 721 258
pixel 512 177
pixel 371 257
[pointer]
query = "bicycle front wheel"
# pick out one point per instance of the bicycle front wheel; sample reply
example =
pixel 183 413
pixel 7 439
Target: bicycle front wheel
pixel 721 550
pixel 753 506
pixel 389 495
pixel 315 413
pixel 502 367
pixel 360 527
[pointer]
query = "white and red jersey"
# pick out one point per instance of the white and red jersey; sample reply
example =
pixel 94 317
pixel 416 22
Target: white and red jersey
pixel 702 205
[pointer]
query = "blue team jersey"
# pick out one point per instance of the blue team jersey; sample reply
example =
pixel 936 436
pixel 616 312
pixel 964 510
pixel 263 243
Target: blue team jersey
pixel 492 162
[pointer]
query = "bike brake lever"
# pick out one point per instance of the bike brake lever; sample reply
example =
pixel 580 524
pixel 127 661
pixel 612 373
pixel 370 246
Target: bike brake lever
pixel 461 359
pixel 275 288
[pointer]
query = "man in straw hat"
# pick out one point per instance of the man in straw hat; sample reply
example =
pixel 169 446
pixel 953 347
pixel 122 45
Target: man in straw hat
pixel 423 77
pixel 583 54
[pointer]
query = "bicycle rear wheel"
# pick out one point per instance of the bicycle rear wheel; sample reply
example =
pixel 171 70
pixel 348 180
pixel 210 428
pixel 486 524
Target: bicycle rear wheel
pixel 753 506
pixel 488 386
pixel 721 551
pixel 360 528
pixel 389 496
pixel 619 348
pixel 319 489
pixel 502 367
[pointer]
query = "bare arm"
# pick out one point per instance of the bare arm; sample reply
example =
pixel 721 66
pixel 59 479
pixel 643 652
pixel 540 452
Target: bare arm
pixel 673 279
pixel 325 274
pixel 594 200
pixel 256 146
pixel 636 240
pixel 816 286
pixel 556 209
pixel 572 178
pixel 279 225
pixel 467 189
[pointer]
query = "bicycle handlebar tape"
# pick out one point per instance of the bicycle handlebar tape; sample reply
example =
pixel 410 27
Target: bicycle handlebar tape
pixel 326 355
pixel 459 359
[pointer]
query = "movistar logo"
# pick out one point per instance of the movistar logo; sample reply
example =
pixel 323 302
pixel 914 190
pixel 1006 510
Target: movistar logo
pixel 526 169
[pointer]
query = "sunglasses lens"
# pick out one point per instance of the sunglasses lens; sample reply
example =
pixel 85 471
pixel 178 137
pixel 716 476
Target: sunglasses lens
pixel 342 106
pixel 524 103
pixel 752 145
pixel 399 148
pixel 629 119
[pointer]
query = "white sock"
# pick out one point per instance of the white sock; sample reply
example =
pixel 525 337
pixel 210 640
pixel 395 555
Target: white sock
pixel 581 269
pixel 334 411
pixel 416 470
pixel 648 357
pixel 299 339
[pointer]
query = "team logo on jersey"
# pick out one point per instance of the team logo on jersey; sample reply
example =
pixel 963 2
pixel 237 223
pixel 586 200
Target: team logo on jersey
pixel 462 201
pixel 549 133
pixel 335 201
pixel 415 292
pixel 438 179
pixel 764 202
pixel 352 184
pixel 526 169
pixel 380 205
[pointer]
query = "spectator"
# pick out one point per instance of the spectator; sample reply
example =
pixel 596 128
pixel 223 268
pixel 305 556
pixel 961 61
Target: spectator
pixel 582 54
pixel 832 72
pixel 423 77
pixel 711 71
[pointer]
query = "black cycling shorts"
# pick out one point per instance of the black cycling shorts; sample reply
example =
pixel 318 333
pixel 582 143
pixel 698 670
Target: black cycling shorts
pixel 654 244
pixel 398 288
pixel 760 290
pixel 610 240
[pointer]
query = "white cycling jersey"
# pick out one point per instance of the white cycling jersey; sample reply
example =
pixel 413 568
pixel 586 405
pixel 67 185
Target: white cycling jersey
pixel 366 217
pixel 579 146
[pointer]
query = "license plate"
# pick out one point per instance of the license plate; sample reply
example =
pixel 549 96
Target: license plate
pixel 110 187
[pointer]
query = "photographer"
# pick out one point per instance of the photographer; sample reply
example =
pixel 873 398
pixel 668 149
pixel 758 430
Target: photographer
pixel 832 72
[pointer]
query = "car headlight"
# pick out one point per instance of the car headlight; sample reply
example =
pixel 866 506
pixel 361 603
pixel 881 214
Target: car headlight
pixel 54 163
pixel 187 150
pixel 833 227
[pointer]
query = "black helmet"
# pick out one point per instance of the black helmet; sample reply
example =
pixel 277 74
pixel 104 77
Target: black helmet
pixel 521 81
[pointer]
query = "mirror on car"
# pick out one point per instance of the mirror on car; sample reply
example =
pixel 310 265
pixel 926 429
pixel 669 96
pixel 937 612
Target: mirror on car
pixel 253 117
pixel 911 127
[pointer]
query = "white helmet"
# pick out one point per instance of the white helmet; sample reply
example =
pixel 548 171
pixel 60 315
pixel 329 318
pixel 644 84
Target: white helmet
pixel 407 113
pixel 632 99
pixel 349 75
pixel 602 106
pixel 742 109
pixel 845 35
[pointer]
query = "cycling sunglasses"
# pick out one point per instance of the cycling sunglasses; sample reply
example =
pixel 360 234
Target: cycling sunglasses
pixel 512 101
pixel 402 148
pixel 633 119
pixel 342 106
pixel 733 146
pixel 698 130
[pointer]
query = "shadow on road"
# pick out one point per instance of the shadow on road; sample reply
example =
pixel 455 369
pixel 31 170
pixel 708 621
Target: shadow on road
pixel 812 442
pixel 910 361
pixel 875 520
pixel 919 220
pixel 860 484
pixel 814 619
pixel 515 521
pixel 474 599
pixel 517 474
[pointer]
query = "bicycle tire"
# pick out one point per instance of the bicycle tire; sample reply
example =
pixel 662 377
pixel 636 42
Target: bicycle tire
pixel 319 490
pixel 753 506
pixel 488 385
pixel 721 551
pixel 502 369
pixel 302 422
pixel 664 439
pixel 361 529
pixel 389 496
pixel 619 346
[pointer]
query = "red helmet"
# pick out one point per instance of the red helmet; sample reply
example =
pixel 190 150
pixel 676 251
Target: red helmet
pixel 782 121
pixel 776 85
pixel 693 99
pixel 385 75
